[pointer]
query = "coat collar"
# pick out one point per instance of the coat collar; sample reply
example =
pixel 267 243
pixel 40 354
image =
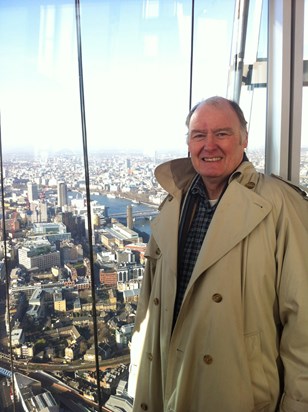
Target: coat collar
pixel 240 210
pixel 176 175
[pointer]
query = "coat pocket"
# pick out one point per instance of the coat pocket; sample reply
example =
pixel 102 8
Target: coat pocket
pixel 259 382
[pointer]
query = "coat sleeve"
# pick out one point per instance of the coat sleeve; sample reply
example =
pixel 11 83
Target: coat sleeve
pixel 142 316
pixel 292 266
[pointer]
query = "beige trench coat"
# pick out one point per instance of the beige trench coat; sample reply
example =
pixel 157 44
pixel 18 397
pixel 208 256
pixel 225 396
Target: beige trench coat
pixel 240 343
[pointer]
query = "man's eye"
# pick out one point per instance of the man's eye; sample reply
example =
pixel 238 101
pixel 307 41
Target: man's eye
pixel 222 134
pixel 198 137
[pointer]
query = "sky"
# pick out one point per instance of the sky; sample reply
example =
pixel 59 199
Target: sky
pixel 136 68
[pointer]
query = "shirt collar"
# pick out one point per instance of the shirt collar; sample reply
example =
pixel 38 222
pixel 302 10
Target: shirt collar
pixel 198 188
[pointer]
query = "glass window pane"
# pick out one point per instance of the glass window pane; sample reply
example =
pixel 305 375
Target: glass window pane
pixel 253 90
pixel 70 220
pixel 48 312
pixel 212 44
pixel 136 75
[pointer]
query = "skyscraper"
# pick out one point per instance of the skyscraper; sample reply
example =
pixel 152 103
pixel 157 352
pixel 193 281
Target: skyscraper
pixel 62 194
pixel 39 211
pixel 32 191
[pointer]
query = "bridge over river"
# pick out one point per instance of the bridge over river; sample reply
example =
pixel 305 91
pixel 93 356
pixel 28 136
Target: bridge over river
pixel 145 214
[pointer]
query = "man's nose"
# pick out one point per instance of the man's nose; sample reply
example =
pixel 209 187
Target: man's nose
pixel 210 141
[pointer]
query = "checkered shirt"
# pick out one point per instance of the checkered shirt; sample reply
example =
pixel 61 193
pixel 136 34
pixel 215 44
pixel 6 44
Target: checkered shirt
pixel 191 241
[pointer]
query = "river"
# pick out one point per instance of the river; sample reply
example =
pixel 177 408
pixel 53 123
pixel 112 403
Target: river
pixel 118 205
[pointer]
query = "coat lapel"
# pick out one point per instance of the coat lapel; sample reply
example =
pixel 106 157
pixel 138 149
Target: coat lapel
pixel 238 213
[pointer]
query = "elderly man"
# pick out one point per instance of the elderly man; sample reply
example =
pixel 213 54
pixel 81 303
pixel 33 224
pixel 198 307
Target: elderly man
pixel 222 320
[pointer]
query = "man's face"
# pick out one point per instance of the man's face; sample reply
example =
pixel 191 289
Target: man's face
pixel 215 142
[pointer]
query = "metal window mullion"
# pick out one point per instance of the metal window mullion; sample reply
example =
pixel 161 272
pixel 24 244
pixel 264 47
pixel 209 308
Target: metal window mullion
pixel 279 87
pixel 297 78
pixel 238 49
pixel 88 197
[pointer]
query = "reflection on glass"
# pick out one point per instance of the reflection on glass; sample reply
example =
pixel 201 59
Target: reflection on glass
pixel 303 173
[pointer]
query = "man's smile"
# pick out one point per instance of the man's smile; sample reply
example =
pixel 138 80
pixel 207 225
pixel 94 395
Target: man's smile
pixel 211 159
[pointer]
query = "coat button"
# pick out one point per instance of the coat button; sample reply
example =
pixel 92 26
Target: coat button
pixel 150 356
pixel 217 297
pixel 156 301
pixel 144 406
pixel 207 359
pixel 250 185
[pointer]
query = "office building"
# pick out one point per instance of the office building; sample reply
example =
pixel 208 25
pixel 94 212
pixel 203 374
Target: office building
pixel 33 193
pixel 62 194
pixel 38 254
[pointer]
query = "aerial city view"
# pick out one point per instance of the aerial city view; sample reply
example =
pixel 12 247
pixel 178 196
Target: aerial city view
pixel 70 279
pixel 47 319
